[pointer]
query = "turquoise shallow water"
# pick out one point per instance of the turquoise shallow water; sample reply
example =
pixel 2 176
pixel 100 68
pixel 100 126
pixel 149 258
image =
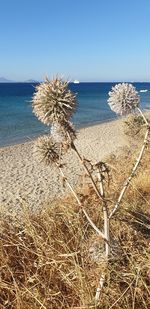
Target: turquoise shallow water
pixel 18 123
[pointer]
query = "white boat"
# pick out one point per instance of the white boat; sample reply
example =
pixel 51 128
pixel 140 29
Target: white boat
pixel 76 81
pixel 143 90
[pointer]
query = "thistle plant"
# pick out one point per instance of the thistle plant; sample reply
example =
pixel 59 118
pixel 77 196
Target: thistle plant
pixel 54 104
pixel 124 99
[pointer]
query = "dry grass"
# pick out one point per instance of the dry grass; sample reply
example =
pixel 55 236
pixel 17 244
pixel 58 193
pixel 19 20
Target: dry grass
pixel 134 127
pixel 45 260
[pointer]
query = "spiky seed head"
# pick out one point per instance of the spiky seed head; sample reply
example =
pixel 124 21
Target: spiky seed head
pixel 46 150
pixel 64 133
pixel 53 101
pixel 123 98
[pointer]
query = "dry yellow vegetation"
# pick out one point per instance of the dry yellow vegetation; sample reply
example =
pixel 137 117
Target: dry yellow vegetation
pixel 46 259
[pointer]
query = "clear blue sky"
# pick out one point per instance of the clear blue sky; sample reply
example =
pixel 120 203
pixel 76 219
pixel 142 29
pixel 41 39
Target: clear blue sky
pixel 91 40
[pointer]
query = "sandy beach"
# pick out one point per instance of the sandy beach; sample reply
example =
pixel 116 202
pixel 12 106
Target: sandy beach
pixel 24 181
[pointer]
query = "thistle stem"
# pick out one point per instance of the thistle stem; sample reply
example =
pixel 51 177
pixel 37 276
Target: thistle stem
pixel 87 171
pixel 127 182
pixel 80 204
pixel 144 118
pixel 100 287
pixel 105 212
pixel 106 233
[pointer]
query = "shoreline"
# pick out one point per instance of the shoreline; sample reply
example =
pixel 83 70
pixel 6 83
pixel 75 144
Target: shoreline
pixel 77 127
pixel 26 182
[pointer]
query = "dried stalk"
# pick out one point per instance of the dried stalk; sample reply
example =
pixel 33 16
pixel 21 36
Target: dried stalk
pixel 100 287
pixel 80 204
pixel 105 212
pixel 127 182
pixel 106 231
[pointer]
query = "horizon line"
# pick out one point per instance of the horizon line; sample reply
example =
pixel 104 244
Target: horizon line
pixel 96 81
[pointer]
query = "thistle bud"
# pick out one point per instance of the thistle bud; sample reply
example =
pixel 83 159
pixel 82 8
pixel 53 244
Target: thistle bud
pixel 53 101
pixel 47 150
pixel 123 99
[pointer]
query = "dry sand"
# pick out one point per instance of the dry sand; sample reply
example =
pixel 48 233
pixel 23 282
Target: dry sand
pixel 22 178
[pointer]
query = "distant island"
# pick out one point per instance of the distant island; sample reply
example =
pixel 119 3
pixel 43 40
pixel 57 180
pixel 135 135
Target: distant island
pixel 5 80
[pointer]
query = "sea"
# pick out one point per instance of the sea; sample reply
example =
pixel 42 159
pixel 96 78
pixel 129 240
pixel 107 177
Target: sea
pixel 18 124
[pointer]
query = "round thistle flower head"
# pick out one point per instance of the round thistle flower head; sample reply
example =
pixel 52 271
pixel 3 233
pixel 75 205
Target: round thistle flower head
pixel 123 98
pixel 46 150
pixel 53 101
pixel 63 133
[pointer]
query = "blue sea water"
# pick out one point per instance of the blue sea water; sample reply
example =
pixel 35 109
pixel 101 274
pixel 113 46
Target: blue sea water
pixel 18 123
